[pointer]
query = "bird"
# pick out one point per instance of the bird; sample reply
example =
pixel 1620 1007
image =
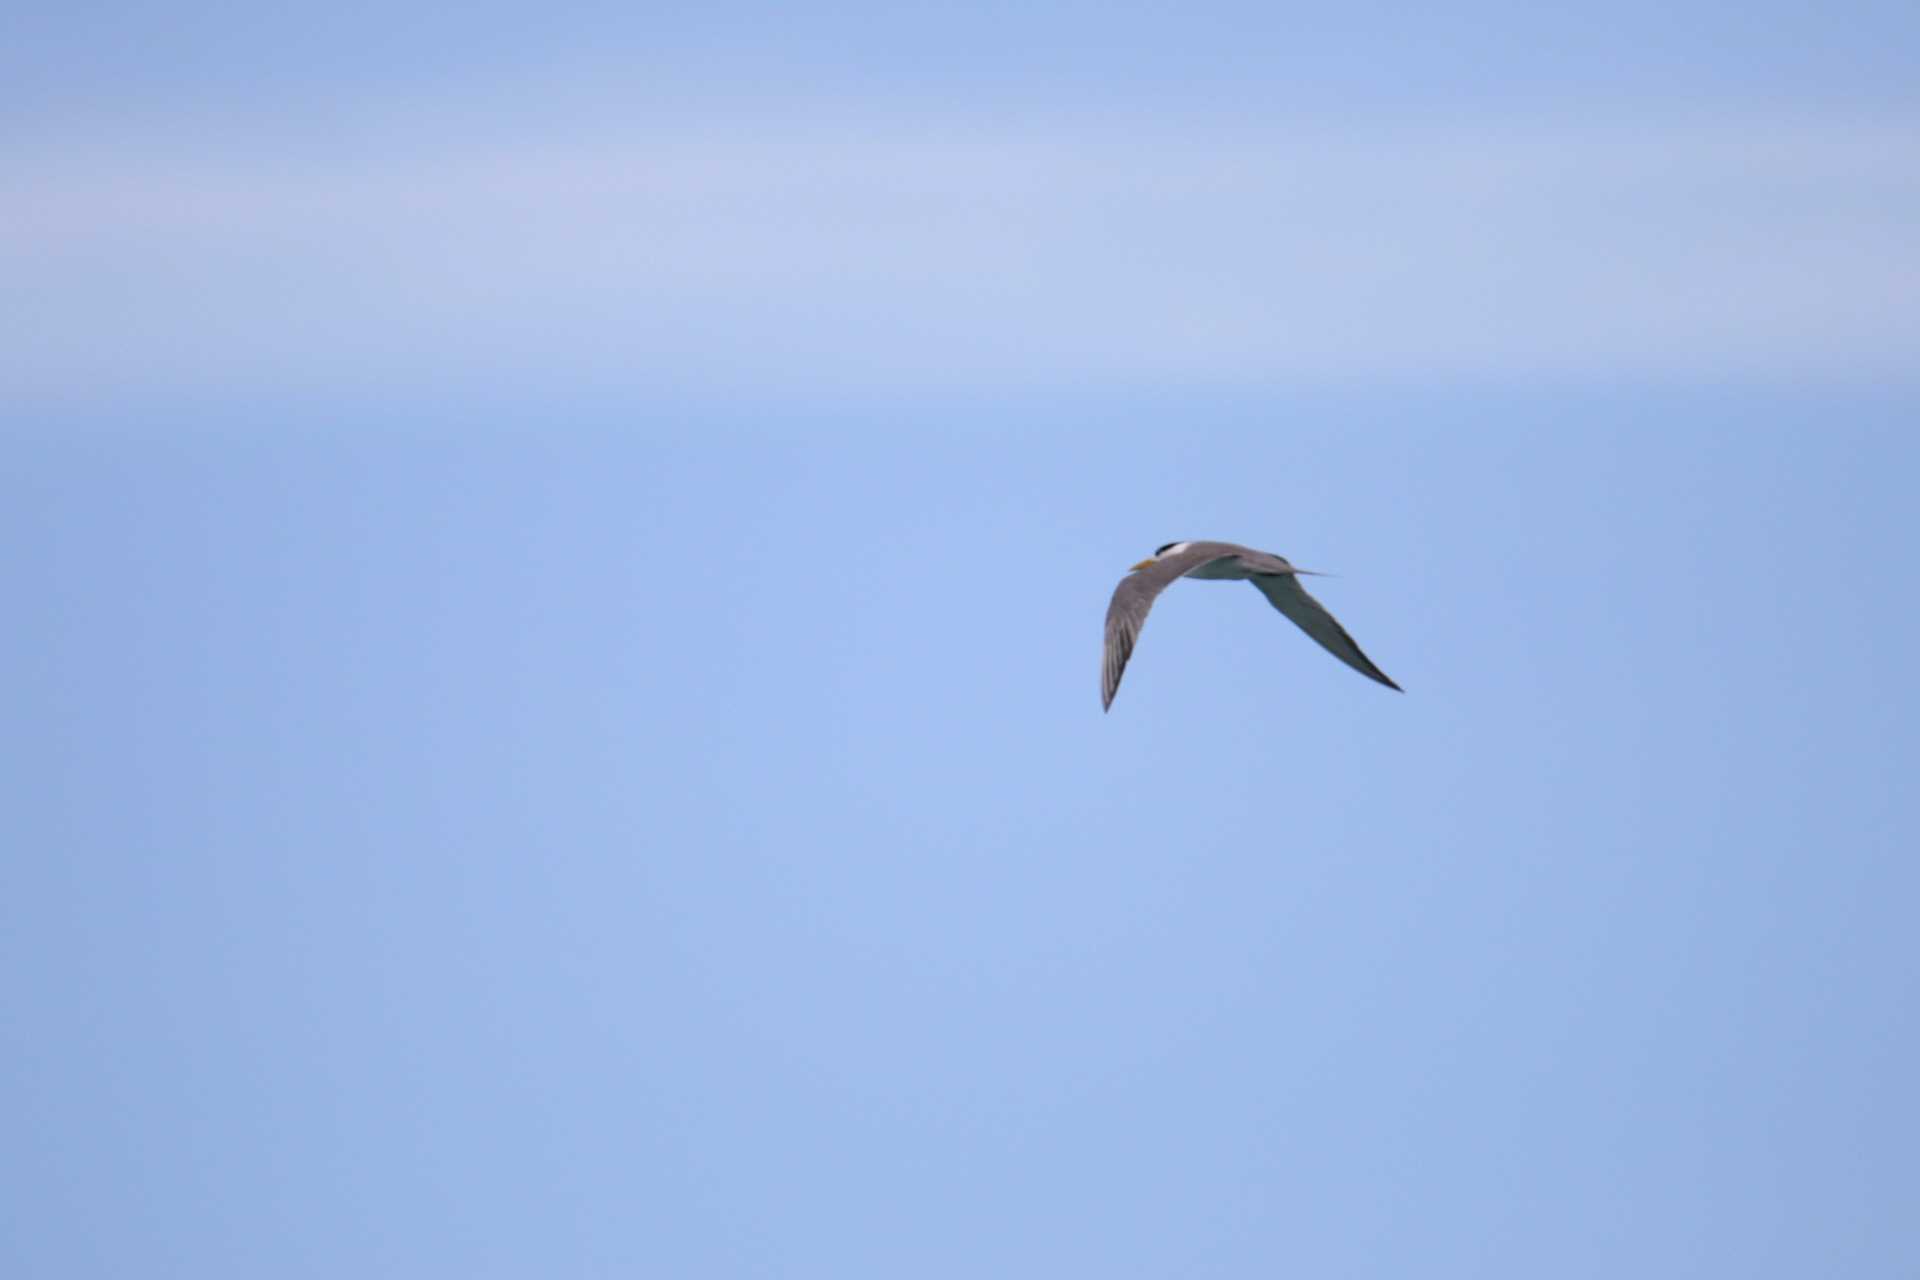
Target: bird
pixel 1276 578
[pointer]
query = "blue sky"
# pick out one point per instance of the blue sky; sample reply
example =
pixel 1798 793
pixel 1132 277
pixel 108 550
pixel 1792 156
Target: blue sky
pixel 558 568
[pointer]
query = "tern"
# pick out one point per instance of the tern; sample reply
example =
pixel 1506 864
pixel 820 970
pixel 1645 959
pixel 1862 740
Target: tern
pixel 1276 578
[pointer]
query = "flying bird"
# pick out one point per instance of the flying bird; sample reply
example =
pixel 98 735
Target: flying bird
pixel 1276 579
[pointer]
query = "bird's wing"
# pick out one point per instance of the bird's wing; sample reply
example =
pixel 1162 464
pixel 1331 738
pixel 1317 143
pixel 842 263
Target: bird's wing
pixel 1133 598
pixel 1284 592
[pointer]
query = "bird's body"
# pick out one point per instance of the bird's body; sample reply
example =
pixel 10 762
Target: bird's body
pixel 1275 578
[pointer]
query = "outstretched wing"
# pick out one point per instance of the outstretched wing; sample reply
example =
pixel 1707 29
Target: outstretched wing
pixel 1133 598
pixel 1286 594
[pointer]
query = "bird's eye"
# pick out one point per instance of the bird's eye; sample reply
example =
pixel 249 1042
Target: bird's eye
pixel 1170 546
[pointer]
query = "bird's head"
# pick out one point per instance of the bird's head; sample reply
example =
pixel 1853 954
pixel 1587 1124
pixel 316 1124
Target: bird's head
pixel 1172 548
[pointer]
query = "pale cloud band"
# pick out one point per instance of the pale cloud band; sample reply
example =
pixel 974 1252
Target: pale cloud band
pixel 902 254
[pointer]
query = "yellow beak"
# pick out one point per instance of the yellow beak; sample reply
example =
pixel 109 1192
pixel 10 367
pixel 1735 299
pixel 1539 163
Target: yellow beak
pixel 1143 564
